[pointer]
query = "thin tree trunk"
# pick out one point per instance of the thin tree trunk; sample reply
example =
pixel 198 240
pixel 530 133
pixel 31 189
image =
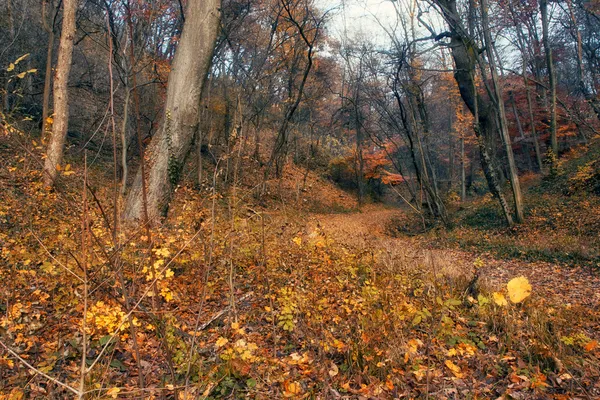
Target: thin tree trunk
pixel 47 84
pixel 124 139
pixel 54 154
pixel 11 30
pixel 463 181
pixel 186 81
pixel 551 76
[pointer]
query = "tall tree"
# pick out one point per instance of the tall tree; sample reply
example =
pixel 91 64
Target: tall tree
pixel 465 53
pixel 54 154
pixel 498 102
pixel 171 145
pixel 551 75
pixel 49 27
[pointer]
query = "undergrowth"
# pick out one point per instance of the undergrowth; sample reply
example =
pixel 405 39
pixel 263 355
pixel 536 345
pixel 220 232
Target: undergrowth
pixel 227 300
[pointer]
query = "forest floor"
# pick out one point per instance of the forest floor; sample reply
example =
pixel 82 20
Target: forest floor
pixel 575 287
pixel 296 295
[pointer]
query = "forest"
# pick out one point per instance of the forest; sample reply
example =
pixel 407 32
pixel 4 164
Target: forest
pixel 301 199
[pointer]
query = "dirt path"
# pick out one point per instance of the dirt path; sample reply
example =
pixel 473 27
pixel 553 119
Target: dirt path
pixel 571 287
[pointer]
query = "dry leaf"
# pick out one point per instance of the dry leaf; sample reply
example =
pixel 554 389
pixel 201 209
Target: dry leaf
pixel 499 299
pixel 518 289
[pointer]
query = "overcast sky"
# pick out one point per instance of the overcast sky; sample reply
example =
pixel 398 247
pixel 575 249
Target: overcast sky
pixel 357 17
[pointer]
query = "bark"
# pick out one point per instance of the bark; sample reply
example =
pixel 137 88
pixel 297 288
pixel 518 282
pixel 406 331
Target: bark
pixel 590 97
pixel 551 75
pixel 359 144
pixel 11 30
pixel 465 55
pixel 54 154
pixel 463 181
pixel 186 81
pixel 47 84
pixel 502 122
pixel 124 138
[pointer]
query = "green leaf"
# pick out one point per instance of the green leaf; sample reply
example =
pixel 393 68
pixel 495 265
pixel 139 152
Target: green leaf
pixel 482 300
pixel 118 364
pixel 251 383
pixel 104 339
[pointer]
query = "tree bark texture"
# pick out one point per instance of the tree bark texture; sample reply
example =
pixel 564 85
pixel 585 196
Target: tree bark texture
pixel 168 149
pixel 54 154
pixel 465 55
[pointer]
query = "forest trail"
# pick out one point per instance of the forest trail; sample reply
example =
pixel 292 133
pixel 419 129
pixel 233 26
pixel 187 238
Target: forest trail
pixel 574 288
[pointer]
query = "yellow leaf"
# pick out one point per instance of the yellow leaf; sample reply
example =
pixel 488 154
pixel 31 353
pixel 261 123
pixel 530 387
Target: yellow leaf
pixel 24 56
pixel 221 342
pixel 499 299
pixel 291 389
pixel 297 240
pixel 21 75
pixel 15 394
pixel 113 392
pixel 518 289
pixel 455 369
pixel 10 67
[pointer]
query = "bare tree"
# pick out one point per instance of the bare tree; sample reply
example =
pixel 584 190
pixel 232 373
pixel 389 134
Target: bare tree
pixel 171 145
pixel 49 27
pixel 54 154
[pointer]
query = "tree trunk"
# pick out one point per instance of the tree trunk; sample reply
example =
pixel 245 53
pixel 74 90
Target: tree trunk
pixel 551 76
pixel 186 81
pixel 47 84
pixel 54 154
pixel 465 56
pixel 463 181
pixel 502 124
pixel 124 138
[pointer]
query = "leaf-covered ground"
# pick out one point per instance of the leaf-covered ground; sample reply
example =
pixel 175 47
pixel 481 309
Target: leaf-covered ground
pixel 236 300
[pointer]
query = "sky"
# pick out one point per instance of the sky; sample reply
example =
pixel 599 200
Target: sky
pixel 358 17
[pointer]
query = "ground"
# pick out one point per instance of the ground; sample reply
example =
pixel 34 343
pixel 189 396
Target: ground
pixel 294 295
pixel 577 287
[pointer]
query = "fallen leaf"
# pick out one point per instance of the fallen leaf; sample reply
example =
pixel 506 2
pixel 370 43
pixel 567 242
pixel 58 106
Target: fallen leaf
pixel 518 289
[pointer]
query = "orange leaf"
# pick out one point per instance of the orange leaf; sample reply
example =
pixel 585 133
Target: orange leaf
pixel 591 346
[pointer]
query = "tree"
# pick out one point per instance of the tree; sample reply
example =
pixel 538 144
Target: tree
pixel 466 55
pixel 551 75
pixel 498 103
pixel 54 154
pixel 169 148
pixel 49 27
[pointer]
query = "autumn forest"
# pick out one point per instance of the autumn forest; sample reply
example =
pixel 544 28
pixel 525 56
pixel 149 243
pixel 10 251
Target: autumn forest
pixel 303 199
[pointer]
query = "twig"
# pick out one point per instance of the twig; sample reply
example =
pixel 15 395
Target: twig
pixel 37 371
pixel 220 313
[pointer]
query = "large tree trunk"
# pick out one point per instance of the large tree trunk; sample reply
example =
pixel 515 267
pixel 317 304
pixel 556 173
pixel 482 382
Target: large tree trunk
pixel 171 144
pixel 55 150
pixel 465 55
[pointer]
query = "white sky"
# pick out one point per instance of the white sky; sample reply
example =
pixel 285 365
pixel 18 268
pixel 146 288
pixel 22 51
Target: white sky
pixel 358 18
